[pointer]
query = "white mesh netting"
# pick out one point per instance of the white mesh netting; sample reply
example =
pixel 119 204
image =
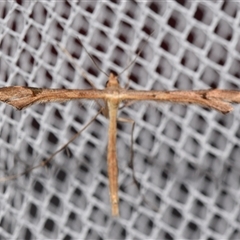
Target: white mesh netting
pixel 186 157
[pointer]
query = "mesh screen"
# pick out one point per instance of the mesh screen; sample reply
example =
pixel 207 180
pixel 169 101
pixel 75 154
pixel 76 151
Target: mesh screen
pixel 186 157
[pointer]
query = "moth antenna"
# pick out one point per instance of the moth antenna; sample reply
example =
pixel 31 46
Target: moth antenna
pixel 138 54
pixel 90 56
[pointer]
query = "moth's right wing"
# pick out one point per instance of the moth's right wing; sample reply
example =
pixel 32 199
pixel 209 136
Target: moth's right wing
pixel 212 98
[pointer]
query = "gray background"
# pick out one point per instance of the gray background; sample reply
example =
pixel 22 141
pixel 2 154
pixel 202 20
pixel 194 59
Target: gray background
pixel 186 157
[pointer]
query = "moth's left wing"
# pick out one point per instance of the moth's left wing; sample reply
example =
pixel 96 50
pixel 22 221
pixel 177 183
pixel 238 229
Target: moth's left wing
pixel 22 97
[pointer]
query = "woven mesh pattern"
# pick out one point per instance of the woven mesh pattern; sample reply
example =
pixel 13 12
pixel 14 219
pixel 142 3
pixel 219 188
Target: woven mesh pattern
pixel 186 157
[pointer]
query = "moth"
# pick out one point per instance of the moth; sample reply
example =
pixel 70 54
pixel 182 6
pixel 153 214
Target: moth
pixel 112 96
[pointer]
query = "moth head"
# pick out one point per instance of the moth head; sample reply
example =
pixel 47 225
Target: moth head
pixel 112 81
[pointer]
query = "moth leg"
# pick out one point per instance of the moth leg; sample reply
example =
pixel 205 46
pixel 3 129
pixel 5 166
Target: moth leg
pixel 126 104
pixel 46 161
pixel 131 163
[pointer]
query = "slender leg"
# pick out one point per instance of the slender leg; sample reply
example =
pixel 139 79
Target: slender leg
pixel 45 162
pixel 131 163
pixel 127 104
